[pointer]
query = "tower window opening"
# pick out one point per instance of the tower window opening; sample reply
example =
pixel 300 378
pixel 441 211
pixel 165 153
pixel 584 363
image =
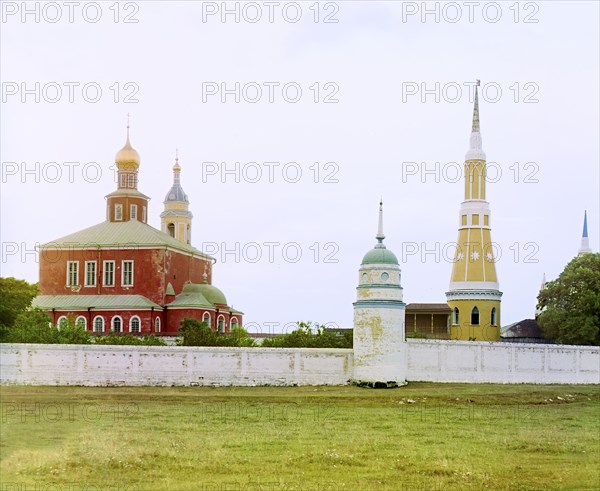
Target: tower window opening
pixel 475 316
pixel 131 181
pixel 456 316
pixel 119 212
pixel 171 229
pixel 133 213
pixel 493 319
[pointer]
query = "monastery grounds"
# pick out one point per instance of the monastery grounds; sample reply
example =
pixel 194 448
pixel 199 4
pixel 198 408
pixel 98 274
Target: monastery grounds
pixel 421 436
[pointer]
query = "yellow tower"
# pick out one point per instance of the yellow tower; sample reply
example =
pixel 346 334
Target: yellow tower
pixel 176 219
pixel 474 294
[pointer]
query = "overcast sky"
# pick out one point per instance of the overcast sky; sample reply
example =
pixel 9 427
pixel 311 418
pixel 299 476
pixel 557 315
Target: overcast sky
pixel 372 100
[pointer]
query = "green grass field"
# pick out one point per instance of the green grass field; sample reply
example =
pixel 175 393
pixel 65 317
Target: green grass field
pixel 422 436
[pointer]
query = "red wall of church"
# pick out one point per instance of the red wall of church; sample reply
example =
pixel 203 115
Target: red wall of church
pixel 153 270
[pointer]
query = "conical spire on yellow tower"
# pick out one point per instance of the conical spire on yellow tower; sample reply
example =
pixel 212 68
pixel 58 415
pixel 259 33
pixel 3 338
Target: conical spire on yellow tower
pixel 474 294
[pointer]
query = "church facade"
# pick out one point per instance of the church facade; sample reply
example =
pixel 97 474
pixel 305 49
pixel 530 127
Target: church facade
pixel 123 275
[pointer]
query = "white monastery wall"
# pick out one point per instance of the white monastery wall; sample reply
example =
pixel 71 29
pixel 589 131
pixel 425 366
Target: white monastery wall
pixel 55 364
pixel 504 363
pixel 427 360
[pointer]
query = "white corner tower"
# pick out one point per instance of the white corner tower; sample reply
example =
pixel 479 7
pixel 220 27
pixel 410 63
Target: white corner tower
pixel 379 341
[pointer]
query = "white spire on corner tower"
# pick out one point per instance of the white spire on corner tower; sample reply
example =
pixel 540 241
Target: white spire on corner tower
pixel 380 235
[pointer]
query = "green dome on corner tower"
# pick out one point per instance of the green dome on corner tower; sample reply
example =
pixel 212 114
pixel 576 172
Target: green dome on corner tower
pixel 379 254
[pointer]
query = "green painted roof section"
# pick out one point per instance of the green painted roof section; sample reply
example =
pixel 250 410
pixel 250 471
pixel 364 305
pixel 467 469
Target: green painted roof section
pixel 380 255
pixel 75 302
pixel 191 296
pixel 212 294
pixel 122 234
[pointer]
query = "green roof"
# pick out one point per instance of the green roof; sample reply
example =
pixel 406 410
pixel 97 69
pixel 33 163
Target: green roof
pixel 191 296
pixel 213 294
pixel 121 234
pixel 78 302
pixel 380 255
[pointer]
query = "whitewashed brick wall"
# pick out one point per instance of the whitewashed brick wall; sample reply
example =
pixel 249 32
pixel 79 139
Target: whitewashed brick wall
pixel 38 364
pixel 427 360
pixel 504 363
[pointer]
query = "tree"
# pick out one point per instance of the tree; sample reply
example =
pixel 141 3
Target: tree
pixel 571 303
pixel 309 336
pixel 15 297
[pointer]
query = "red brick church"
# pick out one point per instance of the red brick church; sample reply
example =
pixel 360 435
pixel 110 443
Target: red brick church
pixel 123 275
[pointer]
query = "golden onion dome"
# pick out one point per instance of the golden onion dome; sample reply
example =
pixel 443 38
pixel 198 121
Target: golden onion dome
pixel 127 158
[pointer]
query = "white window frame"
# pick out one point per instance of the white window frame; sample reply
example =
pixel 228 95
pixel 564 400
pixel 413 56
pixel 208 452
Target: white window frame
pixel 135 317
pixel 133 212
pixel 157 324
pixel 87 275
pixel 144 218
pixel 94 323
pixel 84 323
pixel 204 316
pixel 59 320
pixel 123 283
pixel 112 323
pixel 76 273
pixel 123 181
pixel 234 323
pixel 221 328
pixel 131 181
pixel 104 263
pixel 118 212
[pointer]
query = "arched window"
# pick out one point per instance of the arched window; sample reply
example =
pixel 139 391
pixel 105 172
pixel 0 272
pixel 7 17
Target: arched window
pixel 98 324
pixel 62 322
pixel 157 324
pixel 494 316
pixel 171 229
pixel 475 316
pixel 234 323
pixel 134 324
pixel 81 322
pixel 117 324
pixel 221 324
pixel 456 316
pixel 206 318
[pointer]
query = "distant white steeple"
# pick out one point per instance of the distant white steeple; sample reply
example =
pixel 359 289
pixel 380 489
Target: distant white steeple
pixel 585 241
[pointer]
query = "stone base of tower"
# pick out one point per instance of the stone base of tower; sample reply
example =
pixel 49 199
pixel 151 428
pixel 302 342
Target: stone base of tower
pixel 380 352
pixel 380 370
